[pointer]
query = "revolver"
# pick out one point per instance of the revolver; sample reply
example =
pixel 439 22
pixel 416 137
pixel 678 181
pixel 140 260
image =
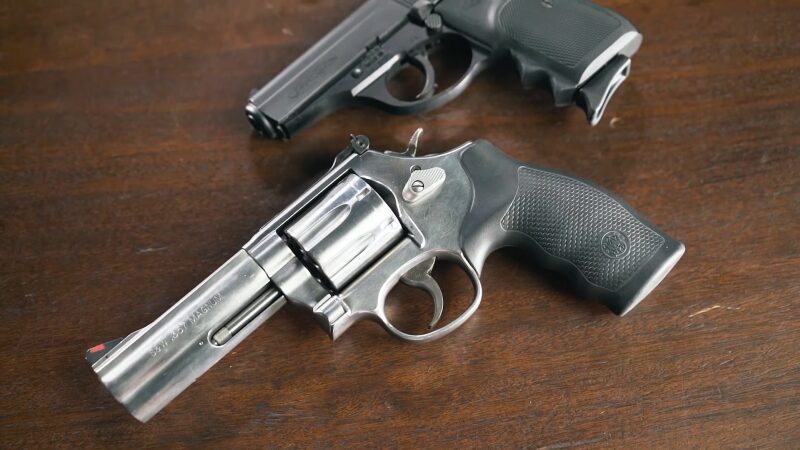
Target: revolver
pixel 376 218
pixel 580 50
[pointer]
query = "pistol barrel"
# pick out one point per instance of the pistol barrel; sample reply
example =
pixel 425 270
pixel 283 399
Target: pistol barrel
pixel 310 86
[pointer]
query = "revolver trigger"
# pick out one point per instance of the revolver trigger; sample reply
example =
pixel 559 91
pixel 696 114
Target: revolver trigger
pixel 420 277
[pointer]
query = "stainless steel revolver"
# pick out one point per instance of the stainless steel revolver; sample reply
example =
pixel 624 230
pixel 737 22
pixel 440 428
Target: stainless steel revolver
pixel 376 218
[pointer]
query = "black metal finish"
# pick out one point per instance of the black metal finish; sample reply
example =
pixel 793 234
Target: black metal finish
pixel 557 44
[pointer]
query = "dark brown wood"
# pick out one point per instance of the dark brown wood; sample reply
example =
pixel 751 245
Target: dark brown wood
pixel 128 172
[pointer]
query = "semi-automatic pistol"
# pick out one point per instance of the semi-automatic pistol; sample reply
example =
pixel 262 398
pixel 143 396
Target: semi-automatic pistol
pixel 580 50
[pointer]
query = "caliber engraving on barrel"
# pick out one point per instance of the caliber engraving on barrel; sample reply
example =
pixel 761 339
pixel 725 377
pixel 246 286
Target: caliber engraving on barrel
pixel 187 323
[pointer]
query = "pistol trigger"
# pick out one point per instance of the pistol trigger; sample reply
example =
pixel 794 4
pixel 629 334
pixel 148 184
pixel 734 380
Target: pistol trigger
pixel 424 64
pixel 420 277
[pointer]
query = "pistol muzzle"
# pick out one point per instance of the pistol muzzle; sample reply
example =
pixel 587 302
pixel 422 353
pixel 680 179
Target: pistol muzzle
pixel 263 124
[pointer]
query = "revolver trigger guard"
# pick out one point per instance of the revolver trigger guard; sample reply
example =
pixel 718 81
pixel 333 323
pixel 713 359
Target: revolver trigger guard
pixel 425 268
pixel 420 277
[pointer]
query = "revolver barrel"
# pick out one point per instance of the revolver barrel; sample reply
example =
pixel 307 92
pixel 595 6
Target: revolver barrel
pixel 306 261
pixel 150 367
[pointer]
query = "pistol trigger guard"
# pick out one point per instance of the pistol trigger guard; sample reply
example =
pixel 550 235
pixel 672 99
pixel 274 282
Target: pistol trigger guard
pixel 377 92
pixel 420 277
pixel 418 59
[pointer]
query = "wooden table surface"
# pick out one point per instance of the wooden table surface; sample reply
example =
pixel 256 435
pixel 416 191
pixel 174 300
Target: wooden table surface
pixel 128 173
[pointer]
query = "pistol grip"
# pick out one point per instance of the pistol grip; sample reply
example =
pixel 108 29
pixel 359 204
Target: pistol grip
pixel 560 44
pixel 607 249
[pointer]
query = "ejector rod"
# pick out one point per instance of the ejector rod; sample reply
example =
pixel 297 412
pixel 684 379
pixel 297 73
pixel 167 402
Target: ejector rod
pixel 248 313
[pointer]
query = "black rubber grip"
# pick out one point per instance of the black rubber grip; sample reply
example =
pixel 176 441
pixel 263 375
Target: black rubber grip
pixel 610 252
pixel 557 42
pixel 565 32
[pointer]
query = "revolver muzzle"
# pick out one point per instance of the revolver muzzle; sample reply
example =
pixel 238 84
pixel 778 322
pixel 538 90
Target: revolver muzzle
pixel 150 367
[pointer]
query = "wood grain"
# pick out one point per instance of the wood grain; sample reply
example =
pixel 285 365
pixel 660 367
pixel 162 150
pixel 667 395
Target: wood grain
pixel 128 173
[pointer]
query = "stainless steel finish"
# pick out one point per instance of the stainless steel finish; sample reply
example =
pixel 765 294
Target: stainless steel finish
pixel 423 183
pixel 619 77
pixel 272 253
pixel 346 230
pixel 257 246
pixel 657 278
pixel 420 277
pixel 327 245
pixel 413 143
pixel 375 219
pixel 289 274
pixel 375 75
pixel 338 251
pixel 437 237
pixel 155 364
pixel 328 311
pixel 245 316
pixel 298 285
pixel 627 45
pixel 429 233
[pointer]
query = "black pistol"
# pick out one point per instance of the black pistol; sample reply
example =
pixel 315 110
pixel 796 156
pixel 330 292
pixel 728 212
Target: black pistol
pixel 580 50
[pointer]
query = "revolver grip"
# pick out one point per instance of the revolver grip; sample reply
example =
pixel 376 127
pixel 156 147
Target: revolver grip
pixel 607 249
pixel 560 43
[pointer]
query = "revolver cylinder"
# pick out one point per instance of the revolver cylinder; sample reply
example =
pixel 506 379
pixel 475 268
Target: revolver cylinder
pixel 317 254
pixel 345 231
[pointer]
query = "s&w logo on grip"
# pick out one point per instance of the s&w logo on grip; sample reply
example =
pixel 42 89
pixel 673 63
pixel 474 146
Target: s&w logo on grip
pixel 615 244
